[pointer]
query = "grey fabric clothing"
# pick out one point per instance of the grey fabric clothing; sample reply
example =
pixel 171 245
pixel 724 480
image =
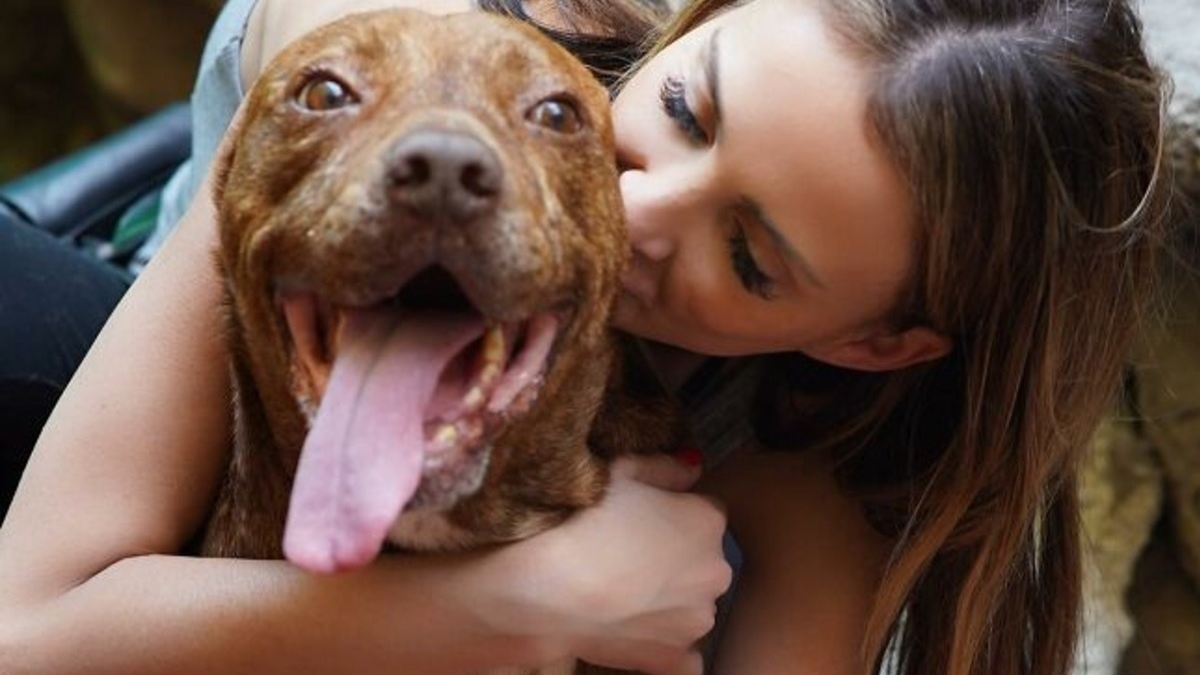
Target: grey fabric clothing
pixel 717 399
pixel 215 99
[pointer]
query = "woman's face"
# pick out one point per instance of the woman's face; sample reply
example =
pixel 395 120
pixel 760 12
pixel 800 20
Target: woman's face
pixel 762 218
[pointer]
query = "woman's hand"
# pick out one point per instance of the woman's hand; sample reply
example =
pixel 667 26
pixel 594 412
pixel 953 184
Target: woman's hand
pixel 630 583
pixel 137 444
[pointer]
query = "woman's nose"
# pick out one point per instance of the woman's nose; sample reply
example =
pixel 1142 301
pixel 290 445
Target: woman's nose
pixel 653 212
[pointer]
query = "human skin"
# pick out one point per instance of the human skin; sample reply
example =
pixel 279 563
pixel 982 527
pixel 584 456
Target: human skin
pixel 81 587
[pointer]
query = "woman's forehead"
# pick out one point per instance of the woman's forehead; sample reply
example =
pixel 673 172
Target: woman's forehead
pixel 797 140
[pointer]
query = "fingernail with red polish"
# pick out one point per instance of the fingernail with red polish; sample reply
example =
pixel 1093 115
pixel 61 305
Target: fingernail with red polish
pixel 690 455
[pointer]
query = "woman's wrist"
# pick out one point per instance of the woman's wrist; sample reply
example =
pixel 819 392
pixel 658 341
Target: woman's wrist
pixel 511 593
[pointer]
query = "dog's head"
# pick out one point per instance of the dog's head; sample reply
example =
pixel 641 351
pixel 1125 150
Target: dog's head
pixel 422 236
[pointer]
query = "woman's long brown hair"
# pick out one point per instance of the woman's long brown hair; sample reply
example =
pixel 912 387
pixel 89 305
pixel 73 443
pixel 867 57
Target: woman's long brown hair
pixel 1030 133
pixel 1031 136
pixel 608 36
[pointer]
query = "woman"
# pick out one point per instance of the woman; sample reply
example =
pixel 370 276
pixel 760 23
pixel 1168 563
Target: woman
pixel 925 225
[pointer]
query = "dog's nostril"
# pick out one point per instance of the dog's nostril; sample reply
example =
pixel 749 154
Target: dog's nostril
pixel 414 171
pixel 479 180
pixel 443 175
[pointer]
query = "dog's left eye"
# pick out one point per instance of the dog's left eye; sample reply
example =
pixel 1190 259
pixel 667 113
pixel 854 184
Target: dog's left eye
pixel 556 114
pixel 325 93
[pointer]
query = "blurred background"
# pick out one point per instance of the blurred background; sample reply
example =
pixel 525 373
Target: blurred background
pixel 72 71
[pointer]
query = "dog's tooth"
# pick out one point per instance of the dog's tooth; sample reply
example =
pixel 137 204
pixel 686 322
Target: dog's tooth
pixel 490 372
pixel 493 345
pixel 474 398
pixel 446 434
pixel 494 352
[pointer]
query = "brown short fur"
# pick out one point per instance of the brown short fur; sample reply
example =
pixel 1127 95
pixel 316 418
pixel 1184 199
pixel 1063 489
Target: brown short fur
pixel 302 201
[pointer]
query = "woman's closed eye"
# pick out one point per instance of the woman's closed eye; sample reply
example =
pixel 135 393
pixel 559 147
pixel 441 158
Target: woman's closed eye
pixel 746 267
pixel 675 105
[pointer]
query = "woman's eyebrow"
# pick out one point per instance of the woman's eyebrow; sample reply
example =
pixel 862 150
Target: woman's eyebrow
pixel 710 57
pixel 783 244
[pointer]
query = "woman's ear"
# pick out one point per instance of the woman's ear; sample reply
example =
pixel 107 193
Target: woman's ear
pixel 882 351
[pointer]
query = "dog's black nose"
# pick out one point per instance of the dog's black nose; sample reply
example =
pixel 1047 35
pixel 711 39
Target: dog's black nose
pixel 443 175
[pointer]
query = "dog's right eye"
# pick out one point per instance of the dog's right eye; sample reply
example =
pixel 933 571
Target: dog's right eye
pixel 557 114
pixel 324 93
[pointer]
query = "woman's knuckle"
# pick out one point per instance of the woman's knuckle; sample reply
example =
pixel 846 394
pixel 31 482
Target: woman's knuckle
pixel 724 574
pixel 703 622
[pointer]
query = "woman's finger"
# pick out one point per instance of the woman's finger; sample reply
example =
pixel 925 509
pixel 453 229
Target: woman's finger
pixel 661 471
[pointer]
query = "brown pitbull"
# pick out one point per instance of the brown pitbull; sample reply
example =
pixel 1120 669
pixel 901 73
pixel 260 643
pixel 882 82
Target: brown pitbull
pixel 421 236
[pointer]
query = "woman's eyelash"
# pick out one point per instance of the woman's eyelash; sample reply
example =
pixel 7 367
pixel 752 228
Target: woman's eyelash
pixel 748 272
pixel 675 105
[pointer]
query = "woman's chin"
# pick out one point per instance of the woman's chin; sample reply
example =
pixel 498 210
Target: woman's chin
pixel 633 316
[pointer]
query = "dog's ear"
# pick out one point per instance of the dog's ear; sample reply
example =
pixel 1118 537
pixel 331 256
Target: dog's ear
pixel 220 169
pixel 227 150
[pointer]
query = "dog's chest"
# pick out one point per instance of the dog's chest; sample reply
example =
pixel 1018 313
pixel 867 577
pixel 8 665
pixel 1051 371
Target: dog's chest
pixel 431 531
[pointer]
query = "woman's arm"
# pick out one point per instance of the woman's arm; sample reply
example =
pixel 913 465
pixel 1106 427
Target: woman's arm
pixel 126 467
pixel 812 570
pixel 125 472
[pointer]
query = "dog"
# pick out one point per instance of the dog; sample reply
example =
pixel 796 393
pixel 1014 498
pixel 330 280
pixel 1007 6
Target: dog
pixel 421 237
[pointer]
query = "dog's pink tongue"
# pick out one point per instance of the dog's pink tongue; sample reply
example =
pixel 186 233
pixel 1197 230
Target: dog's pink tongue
pixel 362 459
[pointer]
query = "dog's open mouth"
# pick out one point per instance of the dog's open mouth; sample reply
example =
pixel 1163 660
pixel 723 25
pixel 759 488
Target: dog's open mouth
pixel 407 393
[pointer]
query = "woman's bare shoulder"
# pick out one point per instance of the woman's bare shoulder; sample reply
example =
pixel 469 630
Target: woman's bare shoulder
pixel 813 564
